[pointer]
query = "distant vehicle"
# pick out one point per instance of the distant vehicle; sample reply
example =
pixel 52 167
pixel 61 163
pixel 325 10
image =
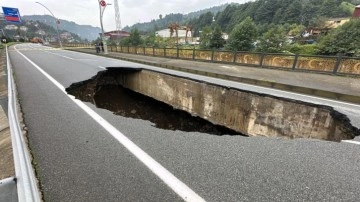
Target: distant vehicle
pixel 36 40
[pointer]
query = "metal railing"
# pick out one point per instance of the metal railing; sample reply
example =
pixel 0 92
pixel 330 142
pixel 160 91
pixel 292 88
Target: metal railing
pixel 336 65
pixel 27 188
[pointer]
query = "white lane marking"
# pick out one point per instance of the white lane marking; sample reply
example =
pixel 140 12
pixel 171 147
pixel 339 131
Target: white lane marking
pixel 85 59
pixel 168 178
pixel 351 142
pixel 102 67
pixel 70 58
pixel 308 96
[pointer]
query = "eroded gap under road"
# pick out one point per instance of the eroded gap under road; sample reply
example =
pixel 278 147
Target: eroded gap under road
pixel 127 103
pixel 177 103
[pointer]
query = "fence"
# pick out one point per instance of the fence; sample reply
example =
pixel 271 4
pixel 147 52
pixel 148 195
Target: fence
pixel 337 65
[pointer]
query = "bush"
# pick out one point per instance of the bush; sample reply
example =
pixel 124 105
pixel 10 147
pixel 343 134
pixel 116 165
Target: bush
pixel 342 40
pixel 307 49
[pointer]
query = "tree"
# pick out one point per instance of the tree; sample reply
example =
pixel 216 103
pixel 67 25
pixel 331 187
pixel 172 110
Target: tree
pixel 330 8
pixel 273 41
pixel 217 40
pixel 134 38
pixel 265 11
pixel 150 40
pixel 243 36
pixel 343 40
pixel 223 18
pixel 205 37
pixel 293 13
pixel 296 30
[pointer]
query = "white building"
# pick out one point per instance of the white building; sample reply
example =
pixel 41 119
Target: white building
pixel 165 33
pixel 11 27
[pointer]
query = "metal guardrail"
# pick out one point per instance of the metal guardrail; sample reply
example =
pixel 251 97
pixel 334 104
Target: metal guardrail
pixel 27 188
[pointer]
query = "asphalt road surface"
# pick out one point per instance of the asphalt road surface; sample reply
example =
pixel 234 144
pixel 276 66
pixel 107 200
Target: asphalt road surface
pixel 87 154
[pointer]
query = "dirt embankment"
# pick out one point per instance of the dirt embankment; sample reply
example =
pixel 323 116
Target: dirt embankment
pixel 6 155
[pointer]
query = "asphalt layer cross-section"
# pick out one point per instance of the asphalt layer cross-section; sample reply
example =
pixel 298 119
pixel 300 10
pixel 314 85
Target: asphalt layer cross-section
pixel 77 160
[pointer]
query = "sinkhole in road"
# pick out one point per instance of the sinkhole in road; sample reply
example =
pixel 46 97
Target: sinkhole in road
pixel 181 103
pixel 127 103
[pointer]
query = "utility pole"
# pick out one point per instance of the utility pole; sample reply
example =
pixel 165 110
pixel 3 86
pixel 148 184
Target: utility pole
pixel 57 21
pixel 102 6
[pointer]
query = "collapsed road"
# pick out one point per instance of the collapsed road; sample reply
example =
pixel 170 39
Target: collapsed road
pixel 80 154
pixel 249 113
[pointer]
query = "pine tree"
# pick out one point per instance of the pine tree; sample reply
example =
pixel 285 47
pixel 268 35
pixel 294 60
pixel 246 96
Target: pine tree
pixel 243 36
pixel 273 41
pixel 205 38
pixel 217 40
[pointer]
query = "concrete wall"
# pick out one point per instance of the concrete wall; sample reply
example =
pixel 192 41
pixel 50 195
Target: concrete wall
pixel 249 113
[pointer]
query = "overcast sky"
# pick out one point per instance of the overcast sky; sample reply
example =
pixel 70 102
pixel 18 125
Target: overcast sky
pixel 86 12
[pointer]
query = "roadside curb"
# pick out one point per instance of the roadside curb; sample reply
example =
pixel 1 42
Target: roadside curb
pixel 262 83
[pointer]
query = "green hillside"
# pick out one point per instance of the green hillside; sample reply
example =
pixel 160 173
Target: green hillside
pixel 163 21
pixel 84 31
pixel 263 12
pixel 29 29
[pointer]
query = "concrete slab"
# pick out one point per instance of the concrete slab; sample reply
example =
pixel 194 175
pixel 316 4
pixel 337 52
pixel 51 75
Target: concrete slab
pixel 8 191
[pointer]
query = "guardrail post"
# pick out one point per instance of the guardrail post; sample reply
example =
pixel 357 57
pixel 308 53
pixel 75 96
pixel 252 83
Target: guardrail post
pixel 136 50
pixel 235 55
pixel 193 53
pixel 262 59
pixel 165 52
pixel 144 50
pixel 338 62
pixel 153 50
pixel 212 55
pixel 295 61
pixel 128 49
pixel 177 52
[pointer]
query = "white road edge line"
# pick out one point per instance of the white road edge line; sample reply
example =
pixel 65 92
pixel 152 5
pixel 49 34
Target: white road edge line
pixel 168 178
pixel 351 142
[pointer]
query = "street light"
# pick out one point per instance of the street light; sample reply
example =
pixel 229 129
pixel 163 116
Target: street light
pixel 102 6
pixel 57 22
